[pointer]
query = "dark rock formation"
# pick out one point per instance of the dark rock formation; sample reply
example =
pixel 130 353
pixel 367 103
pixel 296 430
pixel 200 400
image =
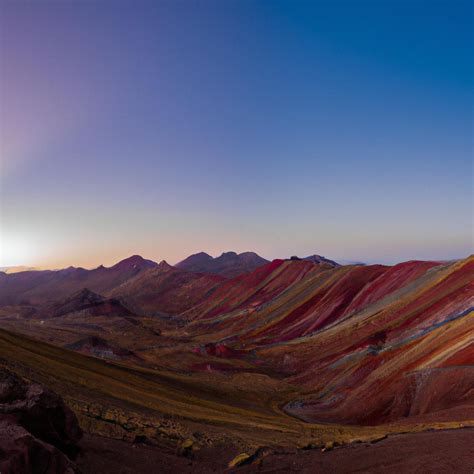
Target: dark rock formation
pixel 86 300
pixel 98 347
pixel 38 432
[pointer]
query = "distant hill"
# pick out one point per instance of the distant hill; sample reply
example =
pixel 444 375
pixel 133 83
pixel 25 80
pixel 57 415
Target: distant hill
pixel 18 268
pixel 37 287
pixel 320 259
pixel 90 302
pixel 229 264
pixel 166 289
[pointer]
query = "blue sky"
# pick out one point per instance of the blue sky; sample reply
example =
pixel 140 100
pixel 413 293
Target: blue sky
pixel 166 128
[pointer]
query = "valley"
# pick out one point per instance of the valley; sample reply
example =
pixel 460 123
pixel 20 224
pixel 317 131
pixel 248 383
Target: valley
pixel 294 356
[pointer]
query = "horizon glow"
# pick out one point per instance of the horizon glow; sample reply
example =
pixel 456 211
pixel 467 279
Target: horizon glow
pixel 285 128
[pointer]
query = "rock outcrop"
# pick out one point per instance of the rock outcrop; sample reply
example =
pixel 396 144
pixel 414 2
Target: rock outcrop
pixel 38 432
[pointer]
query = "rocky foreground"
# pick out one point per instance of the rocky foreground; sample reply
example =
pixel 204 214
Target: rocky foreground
pixel 38 432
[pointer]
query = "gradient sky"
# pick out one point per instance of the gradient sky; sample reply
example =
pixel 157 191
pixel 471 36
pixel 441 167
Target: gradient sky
pixel 342 128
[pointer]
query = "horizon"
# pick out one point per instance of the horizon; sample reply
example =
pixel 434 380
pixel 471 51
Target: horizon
pixel 164 128
pixel 4 268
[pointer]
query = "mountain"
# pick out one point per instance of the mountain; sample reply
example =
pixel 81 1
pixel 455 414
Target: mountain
pixel 370 344
pixel 166 289
pixel 251 290
pixel 319 259
pixel 195 262
pixel 276 366
pixel 90 302
pixel 39 287
pixel 135 262
pixel 229 264
pixel 298 353
pixel 87 322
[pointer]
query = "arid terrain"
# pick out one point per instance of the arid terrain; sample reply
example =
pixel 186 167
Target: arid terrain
pixel 236 363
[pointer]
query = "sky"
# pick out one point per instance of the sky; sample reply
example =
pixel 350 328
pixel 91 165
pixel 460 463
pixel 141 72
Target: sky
pixel 165 128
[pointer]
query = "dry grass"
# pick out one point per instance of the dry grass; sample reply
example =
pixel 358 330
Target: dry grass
pixel 243 409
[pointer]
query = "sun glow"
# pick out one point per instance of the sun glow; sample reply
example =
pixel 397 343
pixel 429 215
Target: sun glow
pixel 15 250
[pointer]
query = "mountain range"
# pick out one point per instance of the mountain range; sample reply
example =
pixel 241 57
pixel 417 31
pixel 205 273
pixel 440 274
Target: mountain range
pixel 293 354
pixel 140 280
pixel 229 264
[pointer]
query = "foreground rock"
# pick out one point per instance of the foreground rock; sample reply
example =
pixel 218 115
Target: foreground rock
pixel 38 432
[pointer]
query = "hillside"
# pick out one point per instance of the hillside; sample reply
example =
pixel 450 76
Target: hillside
pixel 166 289
pixel 39 287
pixel 359 333
pixel 294 354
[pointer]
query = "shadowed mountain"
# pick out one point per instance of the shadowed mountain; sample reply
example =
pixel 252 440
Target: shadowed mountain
pixel 90 302
pixel 89 323
pixel 196 262
pixel 229 264
pixel 145 286
pixel 38 287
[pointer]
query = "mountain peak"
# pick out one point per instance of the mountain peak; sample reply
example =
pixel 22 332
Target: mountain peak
pixel 229 254
pixel 317 259
pixel 229 264
pixel 164 265
pixel 194 260
pixel 81 299
pixel 86 295
pixel 135 261
pixel 201 255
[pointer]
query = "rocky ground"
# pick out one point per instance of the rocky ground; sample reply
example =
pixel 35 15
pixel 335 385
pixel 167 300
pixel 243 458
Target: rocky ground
pixel 437 452
pixel 38 432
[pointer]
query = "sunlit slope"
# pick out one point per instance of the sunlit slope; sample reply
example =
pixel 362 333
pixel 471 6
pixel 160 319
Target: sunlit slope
pixel 284 301
pixel 408 354
pixel 254 289
pixel 291 341
pixel 369 344
pixel 252 410
pixel 124 402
